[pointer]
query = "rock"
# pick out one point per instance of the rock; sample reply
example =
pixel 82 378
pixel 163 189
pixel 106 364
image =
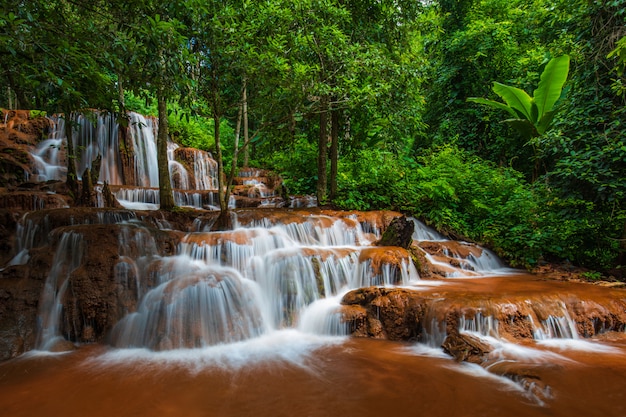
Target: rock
pixel 19 301
pixel 527 376
pixel 383 313
pixel 356 318
pixel 62 345
pixel 32 200
pixel 8 225
pixel 466 347
pixel 399 233
pixel 108 198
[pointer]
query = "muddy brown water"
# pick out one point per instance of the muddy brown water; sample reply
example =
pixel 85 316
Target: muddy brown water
pixel 344 377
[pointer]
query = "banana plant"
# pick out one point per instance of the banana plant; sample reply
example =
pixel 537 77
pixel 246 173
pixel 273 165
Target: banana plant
pixel 532 116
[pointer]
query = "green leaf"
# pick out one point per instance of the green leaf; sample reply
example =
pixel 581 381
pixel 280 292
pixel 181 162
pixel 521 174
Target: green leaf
pixel 516 98
pixel 551 83
pixel 492 103
pixel 524 127
pixel 546 121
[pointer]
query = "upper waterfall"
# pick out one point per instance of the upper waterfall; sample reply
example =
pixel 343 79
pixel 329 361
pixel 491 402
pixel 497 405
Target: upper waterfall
pixel 128 155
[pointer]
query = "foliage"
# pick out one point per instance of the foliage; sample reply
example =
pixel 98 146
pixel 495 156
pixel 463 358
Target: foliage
pixel 532 116
pixel 380 87
pixel 145 105
pixel 296 165
pixel 371 179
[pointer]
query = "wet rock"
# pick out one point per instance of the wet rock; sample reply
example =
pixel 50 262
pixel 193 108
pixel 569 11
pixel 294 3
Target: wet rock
pixel 62 345
pixel 8 225
pixel 32 200
pixel 399 233
pixel 19 300
pixel 420 261
pixel 391 313
pixel 108 198
pixel 356 318
pixel 466 347
pixel 527 376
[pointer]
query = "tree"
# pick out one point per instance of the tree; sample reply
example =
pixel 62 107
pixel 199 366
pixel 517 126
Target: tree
pixel 219 37
pixel 158 62
pixel 56 64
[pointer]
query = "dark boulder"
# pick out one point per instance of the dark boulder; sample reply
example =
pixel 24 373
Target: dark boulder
pixel 398 233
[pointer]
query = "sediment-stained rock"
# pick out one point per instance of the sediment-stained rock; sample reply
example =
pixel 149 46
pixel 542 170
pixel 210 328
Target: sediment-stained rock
pixel 19 300
pixel 535 312
pixel 384 313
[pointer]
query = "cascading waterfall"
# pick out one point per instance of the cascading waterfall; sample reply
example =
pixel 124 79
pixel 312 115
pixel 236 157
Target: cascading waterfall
pixel 97 135
pixel 28 231
pixel 461 259
pixel 143 136
pixel 203 305
pixel 67 258
pixel 263 276
pixel 225 287
pixel 204 171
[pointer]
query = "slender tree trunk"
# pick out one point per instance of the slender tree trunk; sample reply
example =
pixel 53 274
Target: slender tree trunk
pixel 334 152
pixel 120 95
pixel 165 186
pixel 621 260
pixel 246 148
pixel 322 149
pixel 223 221
pixel 72 178
pixel 233 166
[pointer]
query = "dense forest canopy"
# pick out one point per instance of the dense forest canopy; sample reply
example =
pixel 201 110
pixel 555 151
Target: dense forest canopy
pixel 362 103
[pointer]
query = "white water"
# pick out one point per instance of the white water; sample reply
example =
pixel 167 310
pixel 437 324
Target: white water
pixel 96 134
pixel 453 264
pixel 227 287
pixel 67 258
pixel 421 232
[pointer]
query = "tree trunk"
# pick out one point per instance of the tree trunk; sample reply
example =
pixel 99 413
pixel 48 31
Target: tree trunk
pixel 621 260
pixel 88 194
pixel 233 167
pixel 72 178
pixel 223 221
pixel 246 148
pixel 334 152
pixel 322 149
pixel 120 96
pixel 165 186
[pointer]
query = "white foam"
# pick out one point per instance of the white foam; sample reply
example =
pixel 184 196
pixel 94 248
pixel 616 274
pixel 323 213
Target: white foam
pixel 132 205
pixel 579 345
pixel 287 345
pixel 421 349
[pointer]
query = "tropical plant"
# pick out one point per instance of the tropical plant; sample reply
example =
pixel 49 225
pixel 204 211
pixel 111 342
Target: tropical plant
pixel 532 116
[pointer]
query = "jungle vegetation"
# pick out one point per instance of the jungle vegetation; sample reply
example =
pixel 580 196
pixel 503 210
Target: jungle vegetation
pixel 365 104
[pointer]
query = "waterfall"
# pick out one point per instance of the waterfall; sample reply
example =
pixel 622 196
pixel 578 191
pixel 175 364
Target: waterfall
pixel 225 287
pixel 266 275
pixel 204 171
pixel 143 135
pixel 28 231
pixel 204 306
pixel 455 259
pixel 96 135
pixel 67 258
pixel 421 232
